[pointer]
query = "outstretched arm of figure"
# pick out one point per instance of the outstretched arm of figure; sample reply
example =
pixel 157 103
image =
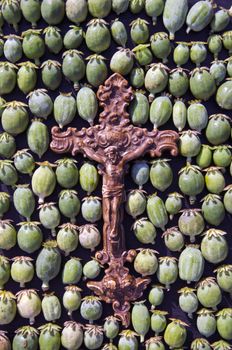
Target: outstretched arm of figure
pixel 93 154
pixel 138 150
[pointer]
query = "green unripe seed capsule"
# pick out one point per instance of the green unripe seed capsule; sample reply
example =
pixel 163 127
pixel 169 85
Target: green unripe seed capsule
pixel 24 201
pixel 173 239
pixel 189 144
pixel 53 11
pixel 26 337
pixel 191 223
pixel 198 52
pixel 99 8
pixel 214 246
pixel 188 301
pixel 144 231
pixel 181 53
pixel 87 104
pixel 209 293
pixel 175 333
pixel 8 77
pixel 199 16
pixel 156 79
pixel 228 199
pixel 111 327
pixel 33 45
pixel 200 343
pixel 191 264
pixel 49 338
pixel 215 45
pixel 51 74
pixel 206 322
pixel 161 175
pixel 179 114
pixel 91 209
pixel 146 262
pixel 28 304
pixel 174 16
pixel 72 271
pixel 160 111
pixel 173 204
pixel 64 109
pixel 167 272
pixel 13 48
pixel 96 70
pixel 93 337
pixel 122 61
pixel 38 137
pixel 137 76
pixel 140 319
pixel 40 103
pixel 154 8
pixel 136 6
pixel 73 66
pixel 8 307
pixel 156 296
pixel 73 37
pixel 178 82
pixel 69 204
pixel 51 307
pixel 43 181
pixel 7 145
pixel 197 116
pixel 120 6
pixel 15 117
pixel 97 37
pixel 191 181
pixel 22 270
pixel 214 180
pixel 29 236
pixel 27 77
pixel 213 209
pixel 91 269
pixel 77 12
pixel 156 211
pixel 218 71
pixel 72 299
pixel 24 162
pixel 4 271
pixel 8 174
pixel 89 236
pixel 119 33
pixel 89 177
pixel 31 11
pixel 49 216
pixel 72 335
pixel 128 340
pixel 161 46
pixel 220 20
pixel 136 203
pixel 143 54
pixel 224 277
pixel 91 308
pixel 202 83
pixel 67 173
pixel 67 238
pixel 218 129
pixel 48 263
pixel 53 39
pixel 224 93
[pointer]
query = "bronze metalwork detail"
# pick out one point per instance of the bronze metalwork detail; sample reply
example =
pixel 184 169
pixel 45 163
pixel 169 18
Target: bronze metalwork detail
pixel 113 143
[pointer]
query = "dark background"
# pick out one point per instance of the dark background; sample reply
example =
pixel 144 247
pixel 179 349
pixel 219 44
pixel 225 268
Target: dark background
pixel 171 298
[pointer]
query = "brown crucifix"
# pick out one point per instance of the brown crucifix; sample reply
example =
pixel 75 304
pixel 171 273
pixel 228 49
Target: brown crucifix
pixel 112 144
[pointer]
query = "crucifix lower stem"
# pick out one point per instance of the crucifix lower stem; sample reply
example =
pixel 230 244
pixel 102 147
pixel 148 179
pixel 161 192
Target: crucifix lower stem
pixel 112 144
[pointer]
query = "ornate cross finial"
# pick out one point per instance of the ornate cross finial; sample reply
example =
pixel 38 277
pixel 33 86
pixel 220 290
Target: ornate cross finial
pixel 114 97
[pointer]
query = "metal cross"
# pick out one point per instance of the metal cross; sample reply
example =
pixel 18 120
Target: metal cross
pixel 112 144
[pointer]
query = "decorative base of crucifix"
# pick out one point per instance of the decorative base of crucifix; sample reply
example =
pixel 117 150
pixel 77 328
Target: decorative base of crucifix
pixel 119 287
pixel 112 144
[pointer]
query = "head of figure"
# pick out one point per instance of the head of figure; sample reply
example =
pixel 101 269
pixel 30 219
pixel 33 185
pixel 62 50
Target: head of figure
pixel 112 154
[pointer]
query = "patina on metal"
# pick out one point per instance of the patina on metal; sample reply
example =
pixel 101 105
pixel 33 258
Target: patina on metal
pixel 113 143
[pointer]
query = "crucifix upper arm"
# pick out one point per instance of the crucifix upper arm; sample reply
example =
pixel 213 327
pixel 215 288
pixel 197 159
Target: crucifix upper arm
pixel 138 151
pixel 93 154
